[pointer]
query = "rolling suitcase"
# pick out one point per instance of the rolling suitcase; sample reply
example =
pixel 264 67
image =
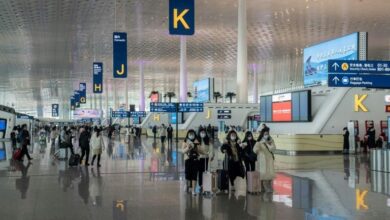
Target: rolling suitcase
pixel 74 160
pixel 17 155
pixel 209 182
pixel 222 180
pixel 254 184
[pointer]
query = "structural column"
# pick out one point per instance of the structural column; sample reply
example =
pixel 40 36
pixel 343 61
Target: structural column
pixel 183 69
pixel 107 107
pixel 255 84
pixel 141 87
pixel 126 94
pixel 242 54
pixel 115 96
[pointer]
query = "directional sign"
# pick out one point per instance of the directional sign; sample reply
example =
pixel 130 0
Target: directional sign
pixel 367 81
pixel 138 114
pixel 120 54
pixel 224 116
pixel 181 17
pixel 97 77
pixel 191 107
pixel 72 103
pixel 224 111
pixel 83 93
pixel 163 107
pixel 120 114
pixel 356 66
pixel 54 110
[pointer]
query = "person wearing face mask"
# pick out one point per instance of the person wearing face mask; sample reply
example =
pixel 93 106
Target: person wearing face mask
pixel 249 156
pixel 205 152
pixel 233 152
pixel 265 155
pixel 370 136
pixel 190 150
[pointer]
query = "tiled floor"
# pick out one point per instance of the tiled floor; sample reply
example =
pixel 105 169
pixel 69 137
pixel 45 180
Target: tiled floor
pixel 140 180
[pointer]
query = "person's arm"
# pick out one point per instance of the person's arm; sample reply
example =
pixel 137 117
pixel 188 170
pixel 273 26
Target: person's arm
pixel 186 147
pixel 211 152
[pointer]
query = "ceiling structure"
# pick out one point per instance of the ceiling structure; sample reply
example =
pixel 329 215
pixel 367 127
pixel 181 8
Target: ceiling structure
pixel 47 46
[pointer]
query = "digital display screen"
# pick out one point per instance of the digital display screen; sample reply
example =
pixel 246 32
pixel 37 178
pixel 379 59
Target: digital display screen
pixel 286 107
pixel 173 119
pixel 315 58
pixel 86 113
pixel 203 90
pixel 3 124
pixel 2 154
pixel 154 97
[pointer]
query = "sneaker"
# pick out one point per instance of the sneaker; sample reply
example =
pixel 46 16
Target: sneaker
pixel 87 164
pixel 193 193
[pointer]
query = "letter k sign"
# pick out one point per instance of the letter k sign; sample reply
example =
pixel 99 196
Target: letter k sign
pixel 181 17
pixel 359 103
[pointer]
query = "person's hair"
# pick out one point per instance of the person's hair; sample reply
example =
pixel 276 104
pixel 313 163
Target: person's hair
pixel 206 139
pixel 247 134
pixel 97 130
pixel 230 133
pixel 188 132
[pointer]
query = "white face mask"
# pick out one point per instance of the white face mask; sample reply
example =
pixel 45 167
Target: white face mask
pixel 233 137
pixel 202 135
pixel 191 137
pixel 266 137
pixel 249 137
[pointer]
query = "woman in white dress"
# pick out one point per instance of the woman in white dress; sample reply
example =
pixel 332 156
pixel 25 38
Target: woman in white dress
pixel 97 145
pixel 264 149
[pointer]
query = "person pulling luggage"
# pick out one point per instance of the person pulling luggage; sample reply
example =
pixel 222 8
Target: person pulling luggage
pixel 24 141
pixel 249 156
pixel 233 152
pixel 206 152
pixel 84 140
pixel 191 159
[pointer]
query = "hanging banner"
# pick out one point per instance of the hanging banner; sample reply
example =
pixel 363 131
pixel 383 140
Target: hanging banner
pixel 77 98
pixel 72 103
pixel 97 77
pixel 120 54
pixel 54 110
pixel 83 93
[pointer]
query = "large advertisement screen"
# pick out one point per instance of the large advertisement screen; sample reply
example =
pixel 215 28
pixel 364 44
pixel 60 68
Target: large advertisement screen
pixel 3 124
pixel 286 107
pixel 315 58
pixel 203 90
pixel 86 113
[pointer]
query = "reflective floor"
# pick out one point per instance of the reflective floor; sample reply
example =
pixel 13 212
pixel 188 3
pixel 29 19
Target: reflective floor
pixel 141 179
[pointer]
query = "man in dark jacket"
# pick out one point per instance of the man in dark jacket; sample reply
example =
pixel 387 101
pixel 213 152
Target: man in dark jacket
pixel 170 134
pixel 84 139
pixel 25 141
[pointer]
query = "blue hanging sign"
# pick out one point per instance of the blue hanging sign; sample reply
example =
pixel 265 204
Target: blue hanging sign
pixel 54 110
pixel 72 103
pixel 77 98
pixel 97 77
pixel 83 93
pixel 120 54
pixel 367 81
pixel 191 107
pixel 138 114
pixel 181 17
pixel 356 66
pixel 163 107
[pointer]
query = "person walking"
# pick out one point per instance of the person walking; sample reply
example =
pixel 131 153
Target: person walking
pixel 25 141
pixel 206 153
pixel 14 135
pixel 163 133
pixel 84 140
pixel 97 144
pixel 346 140
pixel 249 156
pixel 191 160
pixel 170 134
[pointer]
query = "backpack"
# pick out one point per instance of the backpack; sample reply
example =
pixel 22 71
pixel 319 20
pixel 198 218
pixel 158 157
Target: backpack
pixel 20 137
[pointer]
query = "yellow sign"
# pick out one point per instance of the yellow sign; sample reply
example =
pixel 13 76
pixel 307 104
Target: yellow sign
pixel 122 71
pixel 156 117
pixel 120 205
pixel 180 17
pixel 360 199
pixel 345 66
pixel 98 87
pixel 208 114
pixel 359 103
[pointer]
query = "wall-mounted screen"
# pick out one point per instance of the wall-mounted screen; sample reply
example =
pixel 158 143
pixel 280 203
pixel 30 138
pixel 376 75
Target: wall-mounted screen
pixel 203 90
pixel 155 97
pixel 315 58
pixel 286 107
pixel 172 118
pixel 86 113
pixel 3 124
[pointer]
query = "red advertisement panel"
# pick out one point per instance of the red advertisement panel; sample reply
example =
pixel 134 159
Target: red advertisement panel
pixel 281 111
pixel 154 97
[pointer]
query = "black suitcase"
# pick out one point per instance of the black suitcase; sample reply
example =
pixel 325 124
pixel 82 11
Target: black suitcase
pixel 223 180
pixel 74 160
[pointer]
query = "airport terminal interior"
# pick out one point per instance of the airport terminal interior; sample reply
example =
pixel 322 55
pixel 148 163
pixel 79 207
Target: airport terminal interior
pixel 194 109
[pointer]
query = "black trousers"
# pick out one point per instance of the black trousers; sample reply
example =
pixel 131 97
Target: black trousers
pixel 250 165
pixel 98 159
pixel 163 139
pixel 85 151
pixel 203 166
pixel 25 152
pixel 170 138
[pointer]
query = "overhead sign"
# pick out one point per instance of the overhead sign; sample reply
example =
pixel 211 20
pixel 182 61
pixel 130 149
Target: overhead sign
pixel 120 114
pixel 224 111
pixel 72 103
pixel 97 77
pixel 120 54
pixel 224 116
pixel 83 93
pixel 356 66
pixel 367 81
pixel 163 107
pixel 181 17
pixel 138 114
pixel 281 97
pixel 54 110
pixel 77 99
pixel 191 107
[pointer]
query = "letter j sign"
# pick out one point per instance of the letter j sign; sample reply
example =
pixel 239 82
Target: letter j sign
pixel 181 17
